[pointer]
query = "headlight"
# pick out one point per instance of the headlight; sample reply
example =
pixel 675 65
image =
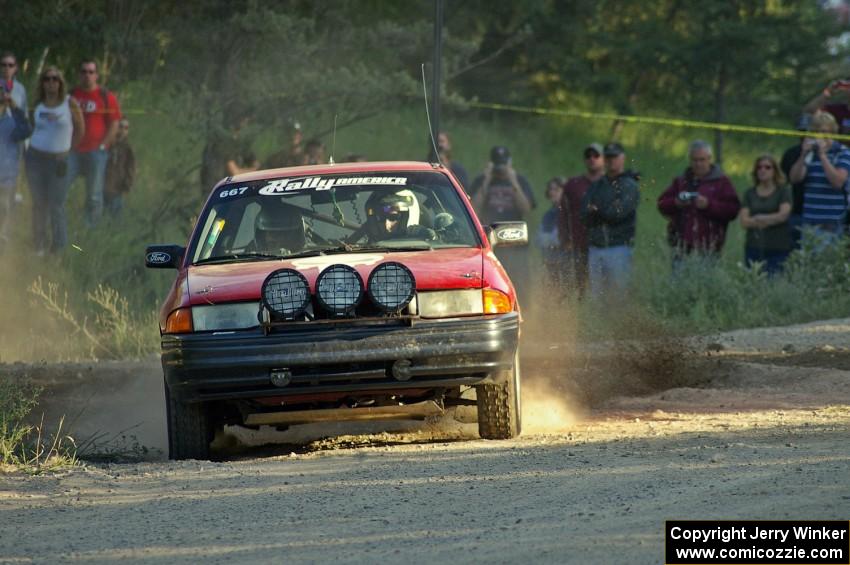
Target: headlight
pixel 391 286
pixel 286 293
pixel 339 289
pixel 238 316
pixel 447 303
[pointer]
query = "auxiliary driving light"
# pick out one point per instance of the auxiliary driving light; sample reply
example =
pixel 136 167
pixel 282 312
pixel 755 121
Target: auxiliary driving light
pixel 339 289
pixel 391 286
pixel 286 293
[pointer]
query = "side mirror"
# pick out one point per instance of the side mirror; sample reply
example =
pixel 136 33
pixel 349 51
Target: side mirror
pixel 508 234
pixel 164 256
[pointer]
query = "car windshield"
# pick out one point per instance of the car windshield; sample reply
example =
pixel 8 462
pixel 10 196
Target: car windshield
pixel 324 214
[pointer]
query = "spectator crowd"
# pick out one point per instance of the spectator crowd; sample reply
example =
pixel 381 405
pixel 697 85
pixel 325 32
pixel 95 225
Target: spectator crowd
pixel 586 236
pixel 71 132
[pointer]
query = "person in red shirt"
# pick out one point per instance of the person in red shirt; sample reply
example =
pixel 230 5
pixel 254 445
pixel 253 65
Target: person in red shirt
pixel 102 115
pixel 571 230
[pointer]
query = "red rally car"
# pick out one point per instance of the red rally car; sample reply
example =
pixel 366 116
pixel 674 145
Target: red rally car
pixel 338 292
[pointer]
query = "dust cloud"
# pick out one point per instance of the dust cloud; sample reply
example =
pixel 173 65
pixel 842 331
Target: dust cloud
pixel 115 407
pixel 577 357
pixel 546 410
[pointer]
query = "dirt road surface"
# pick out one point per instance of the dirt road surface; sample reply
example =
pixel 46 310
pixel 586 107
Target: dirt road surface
pixel 752 424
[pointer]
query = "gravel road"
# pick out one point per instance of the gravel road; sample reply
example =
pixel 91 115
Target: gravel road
pixel 757 427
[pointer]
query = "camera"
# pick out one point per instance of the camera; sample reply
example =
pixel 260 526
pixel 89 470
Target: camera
pixel 687 196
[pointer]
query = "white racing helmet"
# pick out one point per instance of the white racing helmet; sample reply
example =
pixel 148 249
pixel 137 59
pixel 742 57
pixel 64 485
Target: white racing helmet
pixel 399 206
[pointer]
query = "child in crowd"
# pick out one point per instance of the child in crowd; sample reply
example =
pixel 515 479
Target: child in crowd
pixel 547 236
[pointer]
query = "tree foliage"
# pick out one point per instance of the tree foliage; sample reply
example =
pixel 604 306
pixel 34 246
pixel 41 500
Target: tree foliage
pixel 741 60
pixel 676 56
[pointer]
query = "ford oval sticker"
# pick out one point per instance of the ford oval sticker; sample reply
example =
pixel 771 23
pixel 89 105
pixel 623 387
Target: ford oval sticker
pixel 158 258
pixel 510 234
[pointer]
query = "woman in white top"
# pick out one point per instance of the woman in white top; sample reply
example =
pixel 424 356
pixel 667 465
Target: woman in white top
pixel 58 126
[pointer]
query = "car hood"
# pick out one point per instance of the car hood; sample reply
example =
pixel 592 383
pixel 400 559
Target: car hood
pixel 456 268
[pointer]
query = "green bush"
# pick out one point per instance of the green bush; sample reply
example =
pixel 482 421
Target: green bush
pixel 710 295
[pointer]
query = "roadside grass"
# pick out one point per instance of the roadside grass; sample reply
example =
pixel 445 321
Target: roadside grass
pixel 24 447
pixel 98 301
pixel 115 447
pixel 108 331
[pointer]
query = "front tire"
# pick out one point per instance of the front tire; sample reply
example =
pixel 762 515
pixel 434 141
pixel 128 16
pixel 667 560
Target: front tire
pixel 499 407
pixel 190 429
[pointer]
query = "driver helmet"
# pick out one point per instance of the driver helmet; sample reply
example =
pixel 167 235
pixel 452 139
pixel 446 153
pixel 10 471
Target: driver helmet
pixel 279 229
pixel 391 213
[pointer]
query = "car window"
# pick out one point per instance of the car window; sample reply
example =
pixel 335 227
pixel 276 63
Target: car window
pixel 245 232
pixel 297 215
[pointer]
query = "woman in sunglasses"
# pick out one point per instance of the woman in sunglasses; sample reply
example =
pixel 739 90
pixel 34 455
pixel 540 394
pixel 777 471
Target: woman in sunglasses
pixel 58 126
pixel 764 215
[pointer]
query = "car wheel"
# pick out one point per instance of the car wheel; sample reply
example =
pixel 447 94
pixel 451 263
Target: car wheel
pixel 499 408
pixel 190 429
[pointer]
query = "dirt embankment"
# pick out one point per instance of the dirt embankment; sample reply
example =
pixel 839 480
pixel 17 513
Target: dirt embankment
pixel 748 424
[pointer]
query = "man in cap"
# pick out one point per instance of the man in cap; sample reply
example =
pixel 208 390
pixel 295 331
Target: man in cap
pixel 609 210
pixel 571 229
pixel 500 194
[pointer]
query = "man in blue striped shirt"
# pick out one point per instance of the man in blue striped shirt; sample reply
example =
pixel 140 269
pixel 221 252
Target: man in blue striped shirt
pixel 823 168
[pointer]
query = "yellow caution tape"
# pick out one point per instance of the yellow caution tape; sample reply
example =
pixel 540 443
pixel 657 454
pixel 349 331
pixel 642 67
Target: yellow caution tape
pixel 657 121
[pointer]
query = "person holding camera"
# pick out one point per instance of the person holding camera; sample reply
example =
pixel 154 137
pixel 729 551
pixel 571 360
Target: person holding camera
pixel 9 66
pixel 59 126
pixel 14 128
pixel 609 211
pixel 823 167
pixel 500 194
pixel 764 214
pixel 829 101
pixel 698 205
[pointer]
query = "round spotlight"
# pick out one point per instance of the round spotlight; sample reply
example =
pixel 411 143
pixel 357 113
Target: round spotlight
pixel 339 289
pixel 391 287
pixel 286 293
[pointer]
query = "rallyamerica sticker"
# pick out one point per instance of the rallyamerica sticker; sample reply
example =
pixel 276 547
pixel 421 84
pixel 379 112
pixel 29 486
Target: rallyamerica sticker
pixel 318 183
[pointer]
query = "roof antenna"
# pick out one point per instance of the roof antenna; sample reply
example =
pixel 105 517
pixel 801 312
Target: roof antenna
pixel 333 143
pixel 428 115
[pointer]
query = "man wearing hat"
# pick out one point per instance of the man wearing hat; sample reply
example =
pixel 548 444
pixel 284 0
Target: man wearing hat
pixel 609 210
pixel 699 204
pixel 571 229
pixel 500 194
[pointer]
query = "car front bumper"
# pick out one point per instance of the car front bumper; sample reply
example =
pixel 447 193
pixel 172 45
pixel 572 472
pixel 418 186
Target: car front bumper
pixel 332 357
